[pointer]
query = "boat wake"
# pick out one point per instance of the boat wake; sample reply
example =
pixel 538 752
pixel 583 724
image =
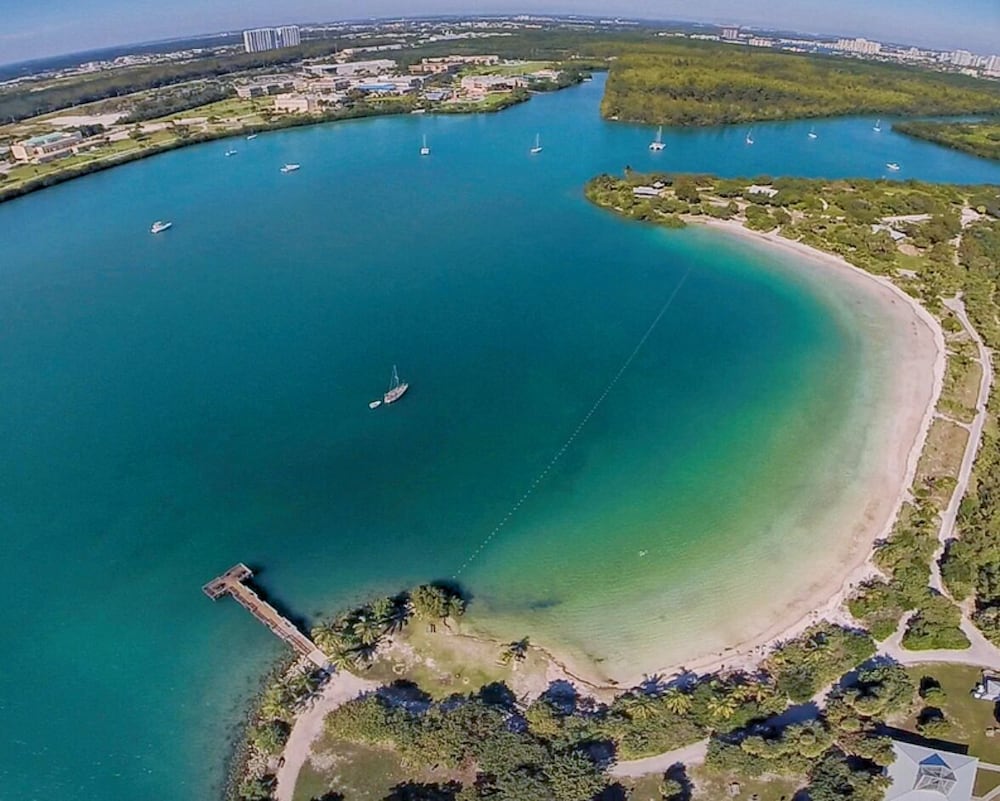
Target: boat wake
pixel 576 431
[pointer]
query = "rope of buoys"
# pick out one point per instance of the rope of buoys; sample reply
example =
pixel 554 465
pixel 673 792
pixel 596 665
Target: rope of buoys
pixel 586 418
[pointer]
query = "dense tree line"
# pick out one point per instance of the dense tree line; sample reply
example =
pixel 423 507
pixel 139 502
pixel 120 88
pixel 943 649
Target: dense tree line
pixel 978 138
pixel 680 83
pixel 175 99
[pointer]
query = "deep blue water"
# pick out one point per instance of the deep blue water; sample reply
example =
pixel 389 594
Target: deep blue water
pixel 173 404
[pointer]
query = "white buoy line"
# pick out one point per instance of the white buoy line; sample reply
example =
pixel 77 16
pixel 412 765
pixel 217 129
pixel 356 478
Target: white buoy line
pixel 586 418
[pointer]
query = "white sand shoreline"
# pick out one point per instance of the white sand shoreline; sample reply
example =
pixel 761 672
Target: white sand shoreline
pixel 827 600
pixel 823 601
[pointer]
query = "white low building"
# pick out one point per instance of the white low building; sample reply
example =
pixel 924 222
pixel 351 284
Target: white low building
pixel 47 146
pixel 482 84
pixel 929 774
pixel 296 103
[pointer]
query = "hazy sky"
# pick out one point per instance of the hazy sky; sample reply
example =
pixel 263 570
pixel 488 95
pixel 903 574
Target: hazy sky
pixel 36 28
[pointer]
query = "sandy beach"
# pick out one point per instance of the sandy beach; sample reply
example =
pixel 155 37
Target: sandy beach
pixel 915 386
pixel 915 398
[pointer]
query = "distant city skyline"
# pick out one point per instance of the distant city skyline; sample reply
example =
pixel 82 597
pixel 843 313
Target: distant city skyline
pixel 37 30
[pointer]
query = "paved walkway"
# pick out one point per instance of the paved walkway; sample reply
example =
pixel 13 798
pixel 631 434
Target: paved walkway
pixel 947 529
pixel 693 754
pixel 309 726
pixel 981 652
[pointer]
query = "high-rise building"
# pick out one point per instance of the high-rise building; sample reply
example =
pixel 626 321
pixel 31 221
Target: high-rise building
pixel 862 46
pixel 993 65
pixel 258 40
pixel 731 34
pixel 962 58
pixel 287 36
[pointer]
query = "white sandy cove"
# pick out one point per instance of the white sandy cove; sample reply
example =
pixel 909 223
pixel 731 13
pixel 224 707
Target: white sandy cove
pixel 913 402
pixel 913 399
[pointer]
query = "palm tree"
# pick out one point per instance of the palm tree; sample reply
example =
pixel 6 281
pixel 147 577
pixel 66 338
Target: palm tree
pixel 342 660
pixel 514 652
pixel 381 609
pixel 368 629
pixel 677 702
pixel 640 706
pixel 722 707
pixel 399 616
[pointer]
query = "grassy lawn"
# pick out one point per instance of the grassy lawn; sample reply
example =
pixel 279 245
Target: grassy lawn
pixel 448 664
pixel 364 774
pixel 969 718
pixel 942 458
pixel 713 786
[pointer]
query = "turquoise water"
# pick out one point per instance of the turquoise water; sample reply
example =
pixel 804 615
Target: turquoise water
pixel 174 404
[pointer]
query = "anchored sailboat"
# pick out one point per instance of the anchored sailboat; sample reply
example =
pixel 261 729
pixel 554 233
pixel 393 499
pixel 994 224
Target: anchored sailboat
pixel 878 126
pixel 749 139
pixel 425 151
pixel 538 145
pixel 812 133
pixel 396 389
pixel 657 144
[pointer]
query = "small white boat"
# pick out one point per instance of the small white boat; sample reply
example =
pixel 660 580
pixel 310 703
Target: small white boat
pixel 425 151
pixel 643 553
pixel 374 404
pixel 892 165
pixel 231 152
pixel 159 226
pixel 878 126
pixel 657 144
pixel 251 137
pixel 749 139
pixel 291 168
pixel 538 145
pixel 812 133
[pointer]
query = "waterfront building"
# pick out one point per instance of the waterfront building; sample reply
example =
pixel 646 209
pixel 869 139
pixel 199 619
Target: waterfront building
pixel 481 84
pixel 920 773
pixel 47 146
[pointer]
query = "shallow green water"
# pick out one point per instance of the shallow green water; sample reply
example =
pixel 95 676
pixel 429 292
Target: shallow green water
pixel 174 404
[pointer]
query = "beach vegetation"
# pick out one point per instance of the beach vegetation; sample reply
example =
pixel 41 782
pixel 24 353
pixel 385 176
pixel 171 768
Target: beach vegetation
pixel 822 654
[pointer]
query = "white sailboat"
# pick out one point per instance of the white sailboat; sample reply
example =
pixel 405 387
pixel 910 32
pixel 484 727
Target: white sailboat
pixel 425 151
pixel 538 145
pixel 878 126
pixel 892 165
pixel 232 151
pixel 749 138
pixel 290 168
pixel 396 389
pixel 812 133
pixel 657 144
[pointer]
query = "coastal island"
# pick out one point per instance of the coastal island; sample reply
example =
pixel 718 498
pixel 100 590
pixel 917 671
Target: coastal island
pixel 978 138
pixel 417 704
